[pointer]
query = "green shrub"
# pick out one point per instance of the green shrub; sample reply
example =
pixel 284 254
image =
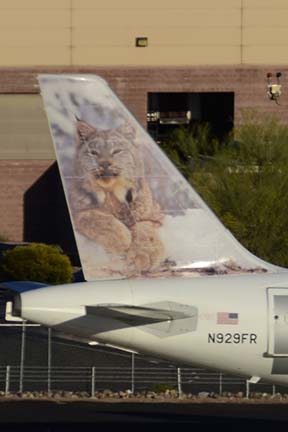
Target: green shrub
pixel 36 262
pixel 186 147
pixel 244 181
pixel 162 388
pixel 247 187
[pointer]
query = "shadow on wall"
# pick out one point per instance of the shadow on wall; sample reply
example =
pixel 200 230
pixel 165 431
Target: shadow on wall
pixel 46 216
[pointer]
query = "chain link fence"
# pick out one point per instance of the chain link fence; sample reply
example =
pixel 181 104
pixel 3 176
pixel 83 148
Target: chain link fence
pixel 47 377
pixel 92 379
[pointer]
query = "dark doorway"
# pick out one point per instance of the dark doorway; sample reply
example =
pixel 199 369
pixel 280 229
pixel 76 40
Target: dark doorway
pixel 169 110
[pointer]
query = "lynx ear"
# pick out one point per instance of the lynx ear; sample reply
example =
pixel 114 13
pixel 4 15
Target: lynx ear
pixel 84 130
pixel 128 131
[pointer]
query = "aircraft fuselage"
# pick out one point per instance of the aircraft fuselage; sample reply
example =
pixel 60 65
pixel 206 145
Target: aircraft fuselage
pixel 237 324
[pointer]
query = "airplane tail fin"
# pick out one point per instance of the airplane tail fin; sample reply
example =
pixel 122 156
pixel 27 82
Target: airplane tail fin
pixel 133 213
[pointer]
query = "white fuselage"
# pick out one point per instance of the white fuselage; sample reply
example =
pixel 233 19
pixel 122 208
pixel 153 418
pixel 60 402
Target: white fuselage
pixel 252 343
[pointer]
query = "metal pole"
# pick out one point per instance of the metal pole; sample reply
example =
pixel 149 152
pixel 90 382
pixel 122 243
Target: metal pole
pixel 179 383
pixel 23 340
pixel 273 390
pixel 247 389
pixel 133 373
pixel 49 360
pixel 7 381
pixel 93 382
pixel 220 384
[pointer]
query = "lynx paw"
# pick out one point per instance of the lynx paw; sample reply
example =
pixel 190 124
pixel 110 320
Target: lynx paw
pixel 147 250
pixel 105 230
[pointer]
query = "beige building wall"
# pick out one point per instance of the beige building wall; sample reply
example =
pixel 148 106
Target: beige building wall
pixel 182 32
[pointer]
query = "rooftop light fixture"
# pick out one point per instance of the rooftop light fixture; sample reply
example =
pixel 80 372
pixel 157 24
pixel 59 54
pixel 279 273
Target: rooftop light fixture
pixel 141 42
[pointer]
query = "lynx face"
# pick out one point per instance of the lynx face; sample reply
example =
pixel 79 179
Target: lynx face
pixel 106 156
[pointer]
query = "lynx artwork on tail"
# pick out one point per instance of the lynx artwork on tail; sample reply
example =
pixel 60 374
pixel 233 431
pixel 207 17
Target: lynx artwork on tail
pixel 133 214
pixel 111 198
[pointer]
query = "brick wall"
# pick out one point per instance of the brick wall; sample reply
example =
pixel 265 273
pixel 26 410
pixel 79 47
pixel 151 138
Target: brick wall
pixel 132 85
pixel 16 178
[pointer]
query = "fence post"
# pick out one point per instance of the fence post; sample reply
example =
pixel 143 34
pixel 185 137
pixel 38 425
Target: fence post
pixel 247 389
pixel 49 361
pixel 93 382
pixel 179 383
pixel 23 339
pixel 7 380
pixel 220 384
pixel 133 374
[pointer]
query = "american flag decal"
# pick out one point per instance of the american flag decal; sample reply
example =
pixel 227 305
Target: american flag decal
pixel 227 318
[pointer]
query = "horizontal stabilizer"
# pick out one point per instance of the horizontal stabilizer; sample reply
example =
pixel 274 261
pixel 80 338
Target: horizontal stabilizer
pixel 136 315
pixel 21 286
